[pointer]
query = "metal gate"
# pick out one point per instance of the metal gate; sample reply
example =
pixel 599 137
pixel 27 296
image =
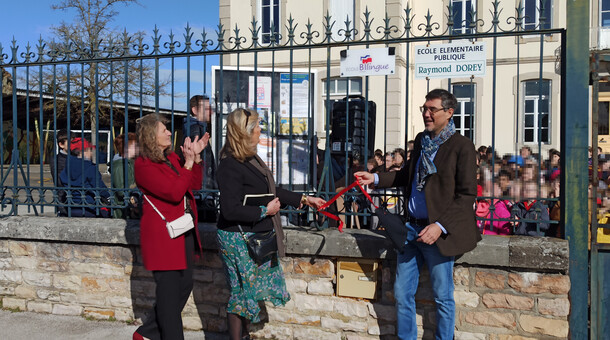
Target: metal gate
pixel 600 225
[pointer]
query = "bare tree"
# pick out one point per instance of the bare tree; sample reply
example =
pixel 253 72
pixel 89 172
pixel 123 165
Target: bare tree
pixel 92 85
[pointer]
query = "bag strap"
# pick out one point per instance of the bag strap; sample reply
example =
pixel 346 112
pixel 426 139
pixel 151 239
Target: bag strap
pixel 152 205
pixel 242 233
pixel 157 210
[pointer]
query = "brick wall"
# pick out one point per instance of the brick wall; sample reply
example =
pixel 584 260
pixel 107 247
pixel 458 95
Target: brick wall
pixel 42 269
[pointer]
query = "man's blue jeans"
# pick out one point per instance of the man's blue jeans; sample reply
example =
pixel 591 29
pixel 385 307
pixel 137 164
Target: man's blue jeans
pixel 408 267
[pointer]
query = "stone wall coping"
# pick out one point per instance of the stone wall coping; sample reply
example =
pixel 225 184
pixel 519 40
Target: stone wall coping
pixel 519 252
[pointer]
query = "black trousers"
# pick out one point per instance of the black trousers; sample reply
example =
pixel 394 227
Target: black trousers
pixel 174 287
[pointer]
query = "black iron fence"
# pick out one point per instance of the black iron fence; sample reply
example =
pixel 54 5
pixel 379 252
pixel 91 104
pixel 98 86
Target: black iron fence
pixel 95 91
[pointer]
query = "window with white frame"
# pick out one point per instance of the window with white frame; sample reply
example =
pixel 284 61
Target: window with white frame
pixel 463 117
pixel 463 16
pixel 604 13
pixel 269 14
pixel 341 86
pixel 536 111
pixel 341 11
pixel 533 11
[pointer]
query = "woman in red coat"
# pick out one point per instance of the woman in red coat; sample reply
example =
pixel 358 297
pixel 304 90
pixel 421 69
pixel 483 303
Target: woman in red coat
pixel 167 184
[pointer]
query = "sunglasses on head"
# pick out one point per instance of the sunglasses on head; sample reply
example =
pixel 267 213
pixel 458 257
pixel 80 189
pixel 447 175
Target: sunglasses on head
pixel 248 114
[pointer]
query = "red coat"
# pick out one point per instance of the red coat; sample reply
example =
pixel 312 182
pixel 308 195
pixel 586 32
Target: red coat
pixel 166 190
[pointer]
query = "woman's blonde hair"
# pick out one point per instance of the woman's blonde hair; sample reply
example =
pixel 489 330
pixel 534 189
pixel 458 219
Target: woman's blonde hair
pixel 239 140
pixel 146 130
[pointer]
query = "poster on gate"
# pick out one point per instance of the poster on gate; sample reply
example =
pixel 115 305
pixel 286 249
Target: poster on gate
pixel 296 103
pixel 263 92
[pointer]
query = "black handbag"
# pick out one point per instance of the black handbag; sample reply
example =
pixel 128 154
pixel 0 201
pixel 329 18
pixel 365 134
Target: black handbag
pixel 261 246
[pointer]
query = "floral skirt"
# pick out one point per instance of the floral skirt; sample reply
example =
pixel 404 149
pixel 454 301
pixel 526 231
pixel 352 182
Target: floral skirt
pixel 248 282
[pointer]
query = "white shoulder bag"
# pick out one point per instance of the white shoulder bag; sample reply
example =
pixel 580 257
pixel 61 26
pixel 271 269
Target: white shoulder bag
pixel 178 226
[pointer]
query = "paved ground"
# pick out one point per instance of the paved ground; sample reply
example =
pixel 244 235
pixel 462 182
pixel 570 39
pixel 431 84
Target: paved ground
pixel 34 326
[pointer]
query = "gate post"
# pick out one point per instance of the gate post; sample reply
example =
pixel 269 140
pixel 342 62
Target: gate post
pixel 574 141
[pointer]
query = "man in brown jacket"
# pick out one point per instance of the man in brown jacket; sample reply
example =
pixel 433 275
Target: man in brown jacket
pixel 440 183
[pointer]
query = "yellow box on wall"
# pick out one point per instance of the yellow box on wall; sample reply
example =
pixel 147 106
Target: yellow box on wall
pixel 357 278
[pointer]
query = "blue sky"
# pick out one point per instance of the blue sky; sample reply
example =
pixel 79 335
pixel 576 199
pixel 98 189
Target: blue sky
pixel 28 20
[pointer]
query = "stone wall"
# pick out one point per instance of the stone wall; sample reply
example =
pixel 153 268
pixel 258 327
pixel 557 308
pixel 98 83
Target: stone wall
pixel 507 288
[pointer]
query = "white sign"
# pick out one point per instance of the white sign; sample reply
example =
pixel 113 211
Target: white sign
pixel 368 62
pixel 450 60
pixel 263 92
pixel 300 94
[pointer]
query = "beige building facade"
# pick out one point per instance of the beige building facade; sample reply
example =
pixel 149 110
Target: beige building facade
pixel 516 103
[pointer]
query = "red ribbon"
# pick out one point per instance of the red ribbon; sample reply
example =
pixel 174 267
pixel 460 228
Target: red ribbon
pixel 329 202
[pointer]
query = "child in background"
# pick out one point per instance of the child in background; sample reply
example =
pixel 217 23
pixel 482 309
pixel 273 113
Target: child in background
pixel 80 173
pixel 127 154
pixel 500 211
pixel 529 208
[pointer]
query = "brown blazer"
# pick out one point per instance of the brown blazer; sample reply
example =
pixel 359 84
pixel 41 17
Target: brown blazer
pixel 450 193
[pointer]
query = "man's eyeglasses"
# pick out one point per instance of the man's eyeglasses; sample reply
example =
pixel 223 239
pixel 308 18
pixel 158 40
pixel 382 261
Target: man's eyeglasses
pixel 248 114
pixel 432 110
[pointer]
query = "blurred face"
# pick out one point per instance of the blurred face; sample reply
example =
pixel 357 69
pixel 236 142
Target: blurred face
pixel 436 122
pixel 388 161
pixel 555 159
pixel 164 136
pixel 88 154
pixel 132 150
pixel 379 160
pixel 555 185
pixel 504 182
pixel 525 152
pixel 529 191
pixel 528 173
pixel 370 166
pixel 493 191
pixel 398 159
pixel 203 111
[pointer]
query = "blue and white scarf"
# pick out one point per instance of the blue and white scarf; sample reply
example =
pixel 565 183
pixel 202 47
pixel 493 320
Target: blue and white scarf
pixel 429 147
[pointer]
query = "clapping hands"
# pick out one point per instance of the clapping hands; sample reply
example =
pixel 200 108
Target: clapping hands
pixel 192 149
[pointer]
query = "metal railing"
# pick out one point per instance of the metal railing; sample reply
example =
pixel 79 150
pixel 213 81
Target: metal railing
pixel 106 85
